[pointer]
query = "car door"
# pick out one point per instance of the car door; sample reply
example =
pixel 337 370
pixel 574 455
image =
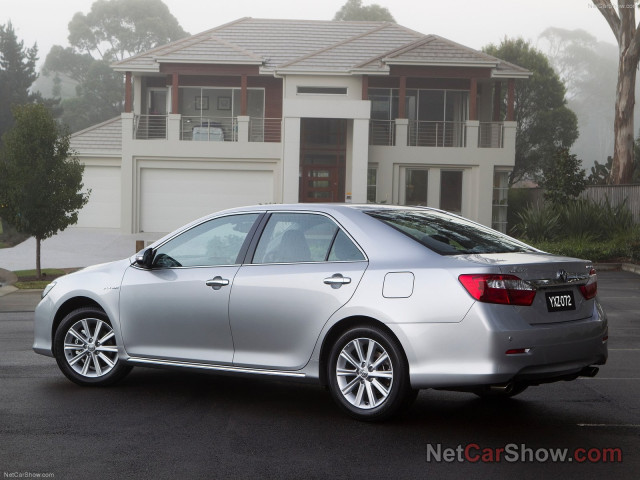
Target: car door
pixel 179 308
pixel 305 267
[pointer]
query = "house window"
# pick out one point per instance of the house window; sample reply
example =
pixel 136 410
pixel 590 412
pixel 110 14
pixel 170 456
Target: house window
pixel 415 191
pixel 321 90
pixel 209 113
pixel 372 184
pixel 500 201
pixel 436 117
pixel 451 191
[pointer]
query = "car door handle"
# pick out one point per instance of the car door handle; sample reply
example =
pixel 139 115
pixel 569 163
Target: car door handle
pixel 337 280
pixel 217 283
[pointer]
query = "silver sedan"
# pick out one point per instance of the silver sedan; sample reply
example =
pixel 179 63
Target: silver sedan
pixel 375 302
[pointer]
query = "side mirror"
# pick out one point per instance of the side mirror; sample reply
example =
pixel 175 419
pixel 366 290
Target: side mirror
pixel 145 258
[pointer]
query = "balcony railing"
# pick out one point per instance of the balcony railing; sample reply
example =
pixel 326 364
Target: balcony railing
pixel 265 129
pixel 382 132
pixel 437 134
pixel 209 129
pixel 147 127
pixel 490 135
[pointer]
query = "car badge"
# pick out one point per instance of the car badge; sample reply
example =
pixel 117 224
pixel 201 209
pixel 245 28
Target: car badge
pixel 562 275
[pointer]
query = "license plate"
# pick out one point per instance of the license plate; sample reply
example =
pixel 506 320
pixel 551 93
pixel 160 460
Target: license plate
pixel 560 301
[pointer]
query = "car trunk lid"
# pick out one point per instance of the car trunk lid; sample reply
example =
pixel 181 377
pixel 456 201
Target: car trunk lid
pixel 557 281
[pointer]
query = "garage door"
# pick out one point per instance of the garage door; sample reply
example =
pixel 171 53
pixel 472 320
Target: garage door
pixel 170 198
pixel 103 208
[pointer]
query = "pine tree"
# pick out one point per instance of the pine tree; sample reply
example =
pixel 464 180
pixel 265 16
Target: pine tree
pixel 17 73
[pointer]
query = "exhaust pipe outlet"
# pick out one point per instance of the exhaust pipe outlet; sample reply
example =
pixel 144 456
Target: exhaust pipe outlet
pixel 589 372
pixel 504 388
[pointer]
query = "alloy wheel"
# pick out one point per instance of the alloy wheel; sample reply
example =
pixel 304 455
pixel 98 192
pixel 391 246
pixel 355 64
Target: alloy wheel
pixel 90 348
pixel 364 372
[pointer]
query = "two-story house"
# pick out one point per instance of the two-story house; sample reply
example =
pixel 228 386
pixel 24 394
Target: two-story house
pixel 271 111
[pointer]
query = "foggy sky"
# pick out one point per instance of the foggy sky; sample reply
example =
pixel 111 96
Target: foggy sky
pixel 474 23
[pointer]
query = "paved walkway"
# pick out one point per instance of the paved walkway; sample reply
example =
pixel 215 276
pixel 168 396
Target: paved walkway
pixel 72 248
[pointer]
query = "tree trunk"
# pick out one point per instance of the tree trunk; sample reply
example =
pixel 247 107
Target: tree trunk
pixel 622 167
pixel 38 270
pixel 623 26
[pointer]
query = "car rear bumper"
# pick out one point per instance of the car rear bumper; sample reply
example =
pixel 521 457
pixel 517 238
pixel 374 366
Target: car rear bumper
pixel 484 349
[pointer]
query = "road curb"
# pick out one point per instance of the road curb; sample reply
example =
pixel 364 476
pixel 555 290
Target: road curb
pixel 616 267
pixel 630 267
pixel 7 289
pixel 7 277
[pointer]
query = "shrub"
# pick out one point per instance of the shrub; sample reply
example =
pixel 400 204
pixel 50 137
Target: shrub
pixel 538 222
pixel 625 247
pixel 581 221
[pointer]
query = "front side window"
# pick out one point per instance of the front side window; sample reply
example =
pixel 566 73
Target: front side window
pixel 447 234
pixel 216 242
pixel 304 237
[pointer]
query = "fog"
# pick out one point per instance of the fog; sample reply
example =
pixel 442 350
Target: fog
pixel 469 22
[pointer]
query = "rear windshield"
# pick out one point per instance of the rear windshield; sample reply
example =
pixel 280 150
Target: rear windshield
pixel 447 234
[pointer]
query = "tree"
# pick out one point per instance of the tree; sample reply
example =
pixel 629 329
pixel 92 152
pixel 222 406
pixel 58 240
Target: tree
pixel 40 184
pixel 622 23
pixel 600 172
pixel 17 73
pixel 354 10
pixel 112 30
pixel 117 29
pixel 543 121
pixel 588 69
pixel 99 92
pixel 563 179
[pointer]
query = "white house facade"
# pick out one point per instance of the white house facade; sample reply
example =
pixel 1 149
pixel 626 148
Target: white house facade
pixel 283 111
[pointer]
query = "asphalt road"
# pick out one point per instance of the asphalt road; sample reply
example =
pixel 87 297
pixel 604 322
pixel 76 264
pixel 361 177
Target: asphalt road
pixel 160 424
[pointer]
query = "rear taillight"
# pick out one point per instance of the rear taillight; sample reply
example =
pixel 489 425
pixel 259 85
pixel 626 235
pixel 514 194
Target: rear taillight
pixel 590 289
pixel 504 289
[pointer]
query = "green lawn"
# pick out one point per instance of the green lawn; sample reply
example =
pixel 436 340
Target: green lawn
pixel 27 278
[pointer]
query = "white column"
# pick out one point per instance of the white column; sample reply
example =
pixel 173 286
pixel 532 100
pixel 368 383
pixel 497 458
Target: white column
pixel 433 188
pixel 485 195
pixel 473 127
pixel 402 132
pixel 290 160
pixel 137 94
pixel 243 128
pixel 509 137
pixel 359 161
pixel 127 175
pixel 174 125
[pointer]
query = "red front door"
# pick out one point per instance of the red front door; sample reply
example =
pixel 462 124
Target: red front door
pixel 322 160
pixel 320 184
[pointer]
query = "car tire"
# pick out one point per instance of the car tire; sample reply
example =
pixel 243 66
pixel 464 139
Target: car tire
pixel 83 358
pixel 368 374
pixel 485 392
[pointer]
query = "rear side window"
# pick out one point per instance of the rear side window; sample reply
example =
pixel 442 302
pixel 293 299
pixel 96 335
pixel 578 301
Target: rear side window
pixel 304 237
pixel 447 234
